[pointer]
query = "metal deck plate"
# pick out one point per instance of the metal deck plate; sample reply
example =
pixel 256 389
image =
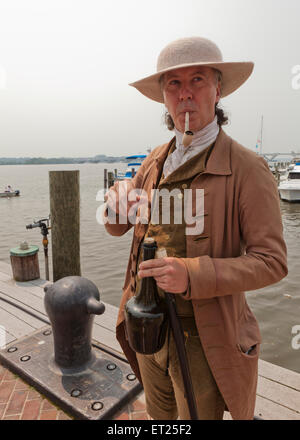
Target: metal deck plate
pixel 97 393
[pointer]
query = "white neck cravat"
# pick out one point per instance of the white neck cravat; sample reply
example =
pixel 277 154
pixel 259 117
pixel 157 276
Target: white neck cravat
pixel 201 140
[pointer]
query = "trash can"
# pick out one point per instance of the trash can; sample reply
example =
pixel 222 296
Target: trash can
pixel 25 262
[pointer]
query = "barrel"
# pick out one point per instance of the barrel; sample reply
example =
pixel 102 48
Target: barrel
pixel 25 263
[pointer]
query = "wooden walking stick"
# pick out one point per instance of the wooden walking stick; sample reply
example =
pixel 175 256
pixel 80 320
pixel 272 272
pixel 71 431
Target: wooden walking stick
pixel 180 347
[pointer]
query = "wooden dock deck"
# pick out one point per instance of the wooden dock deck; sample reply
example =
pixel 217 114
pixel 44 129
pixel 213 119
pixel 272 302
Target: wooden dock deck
pixel 278 392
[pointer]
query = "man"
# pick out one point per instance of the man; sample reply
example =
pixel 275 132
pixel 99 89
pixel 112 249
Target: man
pixel 8 188
pixel 239 248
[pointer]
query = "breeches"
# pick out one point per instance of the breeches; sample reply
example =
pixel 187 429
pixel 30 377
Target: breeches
pixel 163 383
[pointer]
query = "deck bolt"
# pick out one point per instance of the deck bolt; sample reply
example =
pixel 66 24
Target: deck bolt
pixel 47 332
pixel 111 366
pixel 25 358
pixel 96 406
pixel 131 376
pixel 76 393
pixel 12 349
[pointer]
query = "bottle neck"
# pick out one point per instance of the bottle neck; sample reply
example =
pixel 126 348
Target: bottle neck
pixel 149 252
pixel 148 289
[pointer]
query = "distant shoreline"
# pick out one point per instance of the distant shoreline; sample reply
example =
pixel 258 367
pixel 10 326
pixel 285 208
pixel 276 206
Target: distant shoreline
pixel 60 160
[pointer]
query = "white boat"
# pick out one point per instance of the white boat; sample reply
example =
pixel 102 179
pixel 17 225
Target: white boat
pixel 10 193
pixel 283 174
pixel 132 167
pixel 290 188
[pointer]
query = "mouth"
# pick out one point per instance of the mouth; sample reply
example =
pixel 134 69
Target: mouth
pixel 182 114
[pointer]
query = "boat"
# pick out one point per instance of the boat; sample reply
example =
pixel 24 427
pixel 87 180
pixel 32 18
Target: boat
pixel 283 174
pixel 15 193
pixel 132 167
pixel 289 189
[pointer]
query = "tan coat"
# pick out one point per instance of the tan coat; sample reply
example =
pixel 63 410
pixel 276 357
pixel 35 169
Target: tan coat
pixel 241 249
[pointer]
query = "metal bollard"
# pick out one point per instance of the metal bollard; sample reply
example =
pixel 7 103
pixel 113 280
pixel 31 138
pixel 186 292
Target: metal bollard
pixel 71 304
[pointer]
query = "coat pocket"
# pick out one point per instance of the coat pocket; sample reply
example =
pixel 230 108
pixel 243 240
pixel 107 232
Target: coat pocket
pixel 248 334
pixel 252 351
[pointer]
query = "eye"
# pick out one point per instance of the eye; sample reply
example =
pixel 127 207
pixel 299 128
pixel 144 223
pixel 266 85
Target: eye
pixel 197 78
pixel 173 82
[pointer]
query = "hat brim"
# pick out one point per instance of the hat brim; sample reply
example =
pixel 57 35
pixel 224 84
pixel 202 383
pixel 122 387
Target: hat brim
pixel 234 74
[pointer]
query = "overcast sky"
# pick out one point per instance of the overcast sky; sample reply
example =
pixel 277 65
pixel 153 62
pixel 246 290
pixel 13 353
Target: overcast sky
pixel 65 66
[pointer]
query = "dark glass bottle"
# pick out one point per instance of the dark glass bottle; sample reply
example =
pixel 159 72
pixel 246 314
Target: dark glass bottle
pixel 146 313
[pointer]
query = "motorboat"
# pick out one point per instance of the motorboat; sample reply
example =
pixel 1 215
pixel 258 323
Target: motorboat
pixel 289 189
pixel 132 166
pixel 15 193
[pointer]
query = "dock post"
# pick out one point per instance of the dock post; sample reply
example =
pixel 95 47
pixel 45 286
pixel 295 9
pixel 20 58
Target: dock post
pixel 105 178
pixel 65 223
pixel 110 179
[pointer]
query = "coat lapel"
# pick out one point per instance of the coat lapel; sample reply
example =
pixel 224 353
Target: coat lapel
pixel 218 163
pixel 219 160
pixel 159 160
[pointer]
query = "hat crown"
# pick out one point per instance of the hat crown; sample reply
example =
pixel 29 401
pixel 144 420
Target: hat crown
pixel 188 50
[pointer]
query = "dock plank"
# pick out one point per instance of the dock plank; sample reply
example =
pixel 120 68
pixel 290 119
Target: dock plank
pixel 279 374
pixel 5 268
pixel 7 339
pixel 15 326
pixel 279 393
pixel 23 298
pixel 26 317
pixel 269 410
pixel 106 337
pixel 4 277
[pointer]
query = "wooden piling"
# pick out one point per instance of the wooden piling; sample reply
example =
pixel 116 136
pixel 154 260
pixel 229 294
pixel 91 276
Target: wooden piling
pixel 65 223
pixel 105 178
pixel 111 179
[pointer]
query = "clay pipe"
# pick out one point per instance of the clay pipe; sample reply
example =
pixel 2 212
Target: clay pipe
pixel 188 134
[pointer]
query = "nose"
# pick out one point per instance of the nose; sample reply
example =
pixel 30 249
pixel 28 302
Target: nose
pixel 185 93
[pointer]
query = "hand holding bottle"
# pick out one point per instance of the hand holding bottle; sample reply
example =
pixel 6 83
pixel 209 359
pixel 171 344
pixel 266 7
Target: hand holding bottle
pixel 170 273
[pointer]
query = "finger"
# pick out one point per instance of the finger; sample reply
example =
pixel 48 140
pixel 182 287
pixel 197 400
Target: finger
pixel 149 264
pixel 161 278
pixel 163 286
pixel 152 272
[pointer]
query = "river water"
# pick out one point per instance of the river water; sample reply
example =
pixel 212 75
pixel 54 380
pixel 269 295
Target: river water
pixel 104 258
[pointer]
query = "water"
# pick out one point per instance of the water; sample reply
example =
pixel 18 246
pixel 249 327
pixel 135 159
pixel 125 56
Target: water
pixel 104 258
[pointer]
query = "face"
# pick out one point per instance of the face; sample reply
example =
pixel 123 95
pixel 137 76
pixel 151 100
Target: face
pixel 192 89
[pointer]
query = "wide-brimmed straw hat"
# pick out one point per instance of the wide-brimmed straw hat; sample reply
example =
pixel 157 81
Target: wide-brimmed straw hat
pixel 194 51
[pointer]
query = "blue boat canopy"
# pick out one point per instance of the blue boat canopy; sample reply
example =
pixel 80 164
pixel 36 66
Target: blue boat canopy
pixel 137 156
pixel 134 164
